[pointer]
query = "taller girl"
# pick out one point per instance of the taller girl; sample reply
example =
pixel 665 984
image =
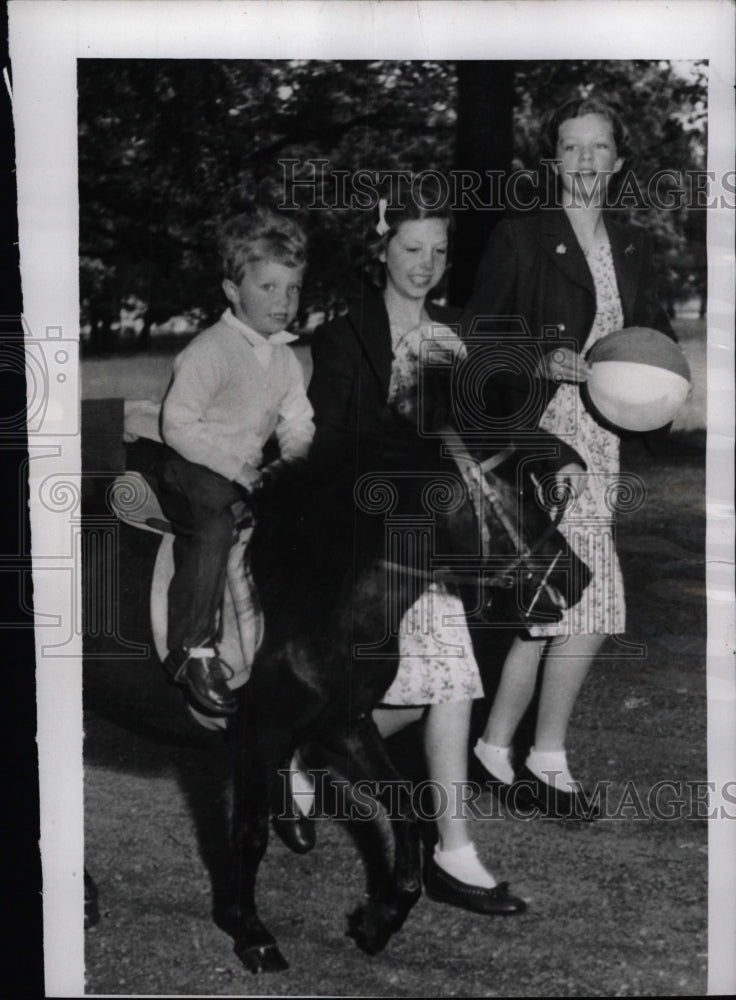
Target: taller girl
pixel 571 268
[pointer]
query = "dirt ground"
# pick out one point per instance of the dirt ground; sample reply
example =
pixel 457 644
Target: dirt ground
pixel 616 908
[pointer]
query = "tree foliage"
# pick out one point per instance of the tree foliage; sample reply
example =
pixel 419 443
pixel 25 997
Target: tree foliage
pixel 168 148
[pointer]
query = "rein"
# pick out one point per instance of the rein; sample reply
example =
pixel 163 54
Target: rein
pixel 474 476
pixel 479 491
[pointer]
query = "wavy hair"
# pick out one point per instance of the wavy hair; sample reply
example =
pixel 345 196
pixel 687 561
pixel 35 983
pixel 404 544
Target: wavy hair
pixel 411 200
pixel 260 233
pixel 577 108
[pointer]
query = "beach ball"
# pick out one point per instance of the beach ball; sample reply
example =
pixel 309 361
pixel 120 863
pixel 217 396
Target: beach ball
pixel 639 379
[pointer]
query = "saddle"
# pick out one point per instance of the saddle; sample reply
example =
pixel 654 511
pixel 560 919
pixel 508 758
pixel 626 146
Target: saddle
pixel 134 500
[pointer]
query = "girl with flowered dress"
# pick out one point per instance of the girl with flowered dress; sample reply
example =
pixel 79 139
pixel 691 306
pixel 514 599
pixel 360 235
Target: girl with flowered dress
pixel 572 268
pixel 365 373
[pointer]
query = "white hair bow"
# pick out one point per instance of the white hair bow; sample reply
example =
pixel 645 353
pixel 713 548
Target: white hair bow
pixel 382 226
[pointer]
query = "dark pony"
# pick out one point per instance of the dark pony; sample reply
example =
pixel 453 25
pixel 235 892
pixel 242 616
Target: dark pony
pixel 338 555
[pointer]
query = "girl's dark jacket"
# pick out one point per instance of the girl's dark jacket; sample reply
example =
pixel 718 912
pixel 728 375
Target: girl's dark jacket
pixel 534 291
pixel 352 359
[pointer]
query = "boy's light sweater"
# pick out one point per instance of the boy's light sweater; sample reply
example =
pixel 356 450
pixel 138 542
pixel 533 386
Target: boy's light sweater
pixel 231 389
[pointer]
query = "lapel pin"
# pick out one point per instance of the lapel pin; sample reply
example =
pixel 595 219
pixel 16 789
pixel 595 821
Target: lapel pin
pixel 629 249
pixel 560 248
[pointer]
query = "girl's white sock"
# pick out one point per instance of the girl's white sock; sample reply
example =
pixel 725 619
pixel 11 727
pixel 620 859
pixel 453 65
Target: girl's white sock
pixel 464 865
pixel 496 760
pixel 302 786
pixel 551 767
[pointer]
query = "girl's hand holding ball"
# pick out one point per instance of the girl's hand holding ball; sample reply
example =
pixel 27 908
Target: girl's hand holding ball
pixel 565 365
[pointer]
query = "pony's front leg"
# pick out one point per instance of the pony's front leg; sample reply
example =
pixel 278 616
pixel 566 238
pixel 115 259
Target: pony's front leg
pixel 358 759
pixel 368 751
pixel 255 946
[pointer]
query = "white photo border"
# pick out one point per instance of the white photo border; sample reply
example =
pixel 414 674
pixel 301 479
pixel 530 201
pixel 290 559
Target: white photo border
pixel 46 40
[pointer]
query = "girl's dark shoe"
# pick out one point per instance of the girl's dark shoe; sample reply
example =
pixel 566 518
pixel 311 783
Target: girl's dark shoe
pixel 444 888
pixel 529 794
pixel 481 771
pixel 297 832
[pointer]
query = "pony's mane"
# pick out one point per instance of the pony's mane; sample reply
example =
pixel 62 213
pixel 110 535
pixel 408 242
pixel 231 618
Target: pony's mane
pixel 311 521
pixel 319 517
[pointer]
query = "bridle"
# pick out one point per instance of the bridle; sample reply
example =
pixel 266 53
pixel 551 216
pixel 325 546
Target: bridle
pixel 481 493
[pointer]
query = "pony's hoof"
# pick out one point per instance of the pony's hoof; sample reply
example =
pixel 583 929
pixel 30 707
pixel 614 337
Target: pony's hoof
pixel 261 958
pixel 368 931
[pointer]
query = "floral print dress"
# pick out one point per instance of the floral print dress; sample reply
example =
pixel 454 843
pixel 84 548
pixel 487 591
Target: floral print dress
pixel 588 523
pixel 437 663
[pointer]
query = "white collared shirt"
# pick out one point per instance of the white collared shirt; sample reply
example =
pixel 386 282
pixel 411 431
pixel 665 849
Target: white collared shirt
pixel 231 389
pixel 261 345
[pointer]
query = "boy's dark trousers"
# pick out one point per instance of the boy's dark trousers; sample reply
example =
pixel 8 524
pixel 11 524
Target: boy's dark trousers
pixel 198 503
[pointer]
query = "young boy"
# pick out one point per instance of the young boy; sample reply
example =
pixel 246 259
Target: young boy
pixel 232 387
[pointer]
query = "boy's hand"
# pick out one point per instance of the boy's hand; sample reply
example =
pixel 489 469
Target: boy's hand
pixel 249 477
pixel 270 473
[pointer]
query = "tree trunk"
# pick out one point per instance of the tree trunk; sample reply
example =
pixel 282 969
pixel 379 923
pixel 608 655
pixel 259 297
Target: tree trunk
pixel 484 141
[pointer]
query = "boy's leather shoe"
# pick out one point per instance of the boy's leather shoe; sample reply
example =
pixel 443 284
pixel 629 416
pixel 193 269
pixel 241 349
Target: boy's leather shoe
pixel 202 671
pixel 444 888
